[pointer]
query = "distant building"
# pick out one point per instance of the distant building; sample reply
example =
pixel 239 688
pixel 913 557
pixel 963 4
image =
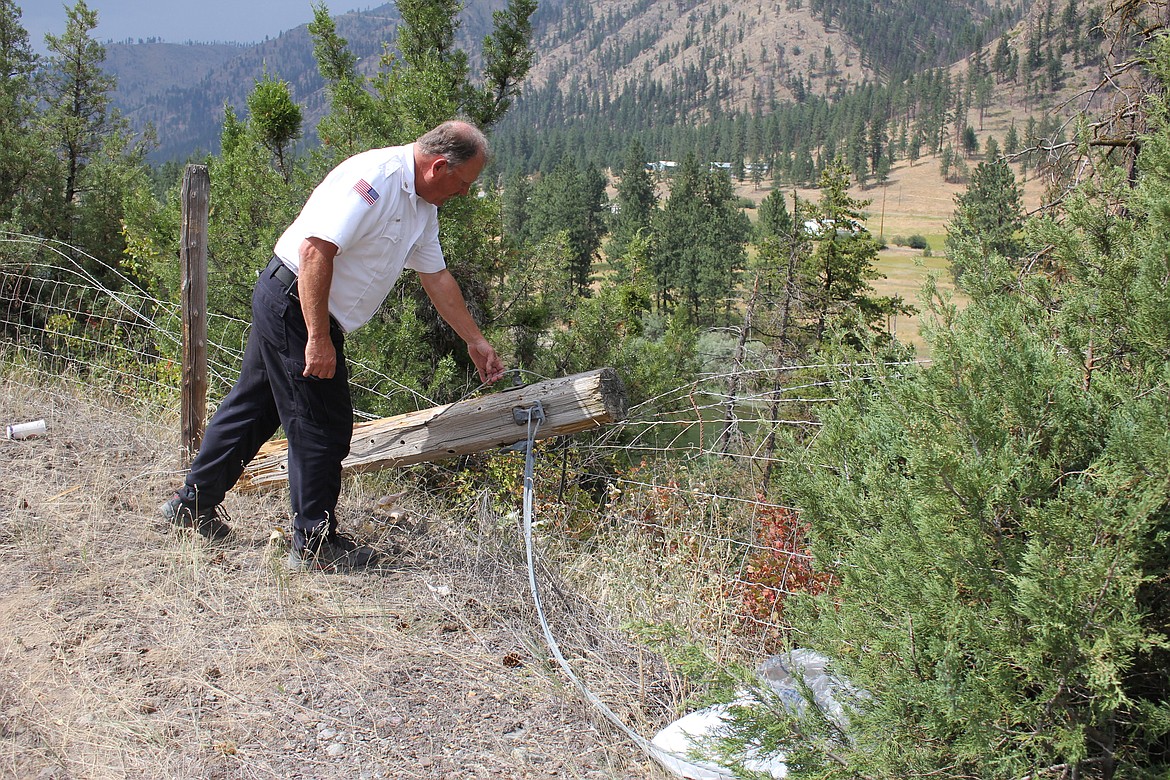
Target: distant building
pixel 819 228
pixel 661 166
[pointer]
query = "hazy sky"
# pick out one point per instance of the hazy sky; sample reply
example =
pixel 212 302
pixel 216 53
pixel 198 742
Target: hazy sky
pixel 177 21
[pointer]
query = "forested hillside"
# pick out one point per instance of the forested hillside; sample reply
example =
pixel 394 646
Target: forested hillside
pixel 181 89
pixel 786 109
pixel 603 68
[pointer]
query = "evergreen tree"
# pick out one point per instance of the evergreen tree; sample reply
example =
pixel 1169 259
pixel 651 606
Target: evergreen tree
pixel 21 152
pixel 991 151
pixel 724 247
pixel 836 275
pixel 572 200
pixel 533 296
pixel 878 143
pixel 276 120
pixel 774 219
pixel 609 329
pixel 98 167
pixel 507 58
pixel 428 81
pixel 1001 62
pixel 970 141
pixel 77 97
pixel 700 239
pixel 1011 141
pixel 677 232
pixel 988 218
pixel 517 209
pixel 636 201
pixel 354 122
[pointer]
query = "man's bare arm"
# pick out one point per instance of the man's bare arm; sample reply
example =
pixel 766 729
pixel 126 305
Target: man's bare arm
pixel 315 279
pixel 444 292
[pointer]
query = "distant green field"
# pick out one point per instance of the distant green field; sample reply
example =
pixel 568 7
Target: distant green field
pixel 905 270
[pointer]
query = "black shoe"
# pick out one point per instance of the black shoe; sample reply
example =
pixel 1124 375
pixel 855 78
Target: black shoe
pixel 332 553
pixel 208 522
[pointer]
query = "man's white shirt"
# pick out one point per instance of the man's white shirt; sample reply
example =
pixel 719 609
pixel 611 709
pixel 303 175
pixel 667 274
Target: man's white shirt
pixel 368 208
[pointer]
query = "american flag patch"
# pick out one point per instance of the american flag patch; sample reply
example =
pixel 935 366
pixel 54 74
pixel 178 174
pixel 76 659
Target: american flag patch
pixel 368 193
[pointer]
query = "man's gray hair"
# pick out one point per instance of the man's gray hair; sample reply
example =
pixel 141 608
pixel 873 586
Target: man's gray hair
pixel 455 141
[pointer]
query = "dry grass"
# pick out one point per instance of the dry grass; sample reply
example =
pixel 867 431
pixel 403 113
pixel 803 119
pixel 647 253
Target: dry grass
pixel 131 651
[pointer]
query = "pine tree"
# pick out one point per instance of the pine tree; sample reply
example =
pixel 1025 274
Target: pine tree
pixel 507 59
pixel 276 120
pixel 572 200
pixel 1001 63
pixel 1011 141
pixel 428 80
pixel 724 246
pixel 353 122
pixel 836 275
pixel 991 151
pixel 970 141
pixel 98 165
pixel 988 218
pixel 636 201
pixel 700 241
pixel 517 209
pixel 77 114
pixel 20 149
pixel 774 219
pixel 676 232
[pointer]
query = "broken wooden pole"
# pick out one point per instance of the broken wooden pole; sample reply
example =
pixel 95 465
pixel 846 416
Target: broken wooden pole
pixel 570 405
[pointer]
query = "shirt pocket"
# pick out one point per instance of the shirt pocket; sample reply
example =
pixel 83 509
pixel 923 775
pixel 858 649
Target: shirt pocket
pixel 392 233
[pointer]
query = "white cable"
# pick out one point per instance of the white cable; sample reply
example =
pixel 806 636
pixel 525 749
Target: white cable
pixel 535 414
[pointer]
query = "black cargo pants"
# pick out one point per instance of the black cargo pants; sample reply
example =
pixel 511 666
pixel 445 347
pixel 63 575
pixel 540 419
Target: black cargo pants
pixel 317 414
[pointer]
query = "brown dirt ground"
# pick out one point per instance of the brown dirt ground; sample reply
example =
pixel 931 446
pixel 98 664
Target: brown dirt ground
pixel 130 650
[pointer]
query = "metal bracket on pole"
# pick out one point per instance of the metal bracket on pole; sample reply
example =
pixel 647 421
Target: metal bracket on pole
pixel 522 415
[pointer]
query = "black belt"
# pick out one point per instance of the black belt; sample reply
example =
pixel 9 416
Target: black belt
pixel 286 276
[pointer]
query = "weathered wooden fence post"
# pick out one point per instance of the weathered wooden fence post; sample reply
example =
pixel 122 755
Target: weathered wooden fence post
pixel 196 197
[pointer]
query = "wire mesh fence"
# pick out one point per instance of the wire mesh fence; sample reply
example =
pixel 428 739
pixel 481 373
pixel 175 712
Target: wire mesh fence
pixel 65 312
pixel 680 483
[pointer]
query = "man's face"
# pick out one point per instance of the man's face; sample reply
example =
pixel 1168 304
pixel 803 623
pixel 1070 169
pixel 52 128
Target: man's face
pixel 442 181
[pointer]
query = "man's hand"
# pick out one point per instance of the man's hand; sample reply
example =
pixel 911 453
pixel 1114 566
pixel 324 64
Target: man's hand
pixel 444 292
pixel 320 358
pixel 491 368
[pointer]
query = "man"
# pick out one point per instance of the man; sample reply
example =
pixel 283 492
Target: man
pixel 373 215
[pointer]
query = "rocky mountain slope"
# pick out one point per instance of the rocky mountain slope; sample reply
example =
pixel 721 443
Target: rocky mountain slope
pixel 757 52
